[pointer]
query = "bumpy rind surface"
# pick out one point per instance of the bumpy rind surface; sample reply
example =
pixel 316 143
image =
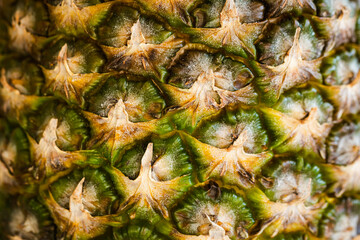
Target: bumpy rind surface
pixel 179 119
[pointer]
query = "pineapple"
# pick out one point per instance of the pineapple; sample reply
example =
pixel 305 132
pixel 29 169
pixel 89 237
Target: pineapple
pixel 179 119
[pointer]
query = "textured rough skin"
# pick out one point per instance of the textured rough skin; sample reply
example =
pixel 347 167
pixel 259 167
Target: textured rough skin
pixel 179 119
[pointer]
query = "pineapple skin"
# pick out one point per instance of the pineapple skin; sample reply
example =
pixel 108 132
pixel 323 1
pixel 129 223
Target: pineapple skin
pixel 179 119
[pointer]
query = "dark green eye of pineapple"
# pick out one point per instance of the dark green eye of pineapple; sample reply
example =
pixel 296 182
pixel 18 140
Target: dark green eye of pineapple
pixel 179 119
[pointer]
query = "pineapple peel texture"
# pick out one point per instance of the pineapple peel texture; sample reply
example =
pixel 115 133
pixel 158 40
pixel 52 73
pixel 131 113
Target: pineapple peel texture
pixel 179 119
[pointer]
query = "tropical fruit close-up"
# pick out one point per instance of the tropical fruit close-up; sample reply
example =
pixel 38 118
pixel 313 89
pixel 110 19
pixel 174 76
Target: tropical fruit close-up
pixel 179 119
